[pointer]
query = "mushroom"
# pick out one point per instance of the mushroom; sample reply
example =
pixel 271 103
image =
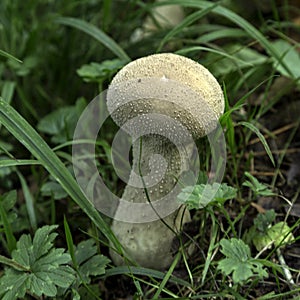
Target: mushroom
pixel 163 101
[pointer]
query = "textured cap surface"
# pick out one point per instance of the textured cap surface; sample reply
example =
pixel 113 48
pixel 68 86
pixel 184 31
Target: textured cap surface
pixel 168 84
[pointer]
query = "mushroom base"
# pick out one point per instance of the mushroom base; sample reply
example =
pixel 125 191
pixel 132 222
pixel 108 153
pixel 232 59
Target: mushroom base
pixel 149 245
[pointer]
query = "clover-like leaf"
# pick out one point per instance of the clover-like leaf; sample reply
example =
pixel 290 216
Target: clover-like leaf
pixel 239 262
pixel 36 266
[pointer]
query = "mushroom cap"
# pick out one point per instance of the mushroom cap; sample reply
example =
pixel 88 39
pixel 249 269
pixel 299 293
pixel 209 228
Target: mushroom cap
pixel 167 84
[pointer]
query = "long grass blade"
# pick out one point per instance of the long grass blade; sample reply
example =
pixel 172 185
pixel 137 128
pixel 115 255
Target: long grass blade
pixel 186 22
pixel 144 272
pixel 97 34
pixel 261 137
pixel 239 21
pixel 17 162
pixel 23 131
pixel 29 202
pixel 7 55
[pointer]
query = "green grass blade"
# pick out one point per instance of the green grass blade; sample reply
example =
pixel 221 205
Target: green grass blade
pixel 22 131
pixel 7 91
pixel 239 21
pixel 17 162
pixel 97 34
pixel 122 270
pixel 10 238
pixel 29 202
pixel 261 137
pixel 219 52
pixel 186 22
pixel 7 55
pixel 70 243
pixel 167 276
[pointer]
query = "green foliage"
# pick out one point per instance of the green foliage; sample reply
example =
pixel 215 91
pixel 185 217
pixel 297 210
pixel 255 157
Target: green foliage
pixel 8 202
pixel 199 196
pixel 279 234
pixel 52 188
pixel 36 267
pixel 95 72
pixel 261 138
pixel 89 262
pixel 7 217
pixel 290 57
pixel 239 262
pixel 263 221
pixel 258 188
pixel 60 124
pixel 236 58
pixel 96 33
pixel 264 234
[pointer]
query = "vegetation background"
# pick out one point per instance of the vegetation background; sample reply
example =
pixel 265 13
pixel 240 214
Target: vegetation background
pixel 56 56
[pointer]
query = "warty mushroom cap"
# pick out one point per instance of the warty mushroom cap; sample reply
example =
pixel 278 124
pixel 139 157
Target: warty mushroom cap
pixel 191 94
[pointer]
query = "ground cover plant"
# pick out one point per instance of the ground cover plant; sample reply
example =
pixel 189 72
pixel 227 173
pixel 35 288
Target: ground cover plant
pixel 243 240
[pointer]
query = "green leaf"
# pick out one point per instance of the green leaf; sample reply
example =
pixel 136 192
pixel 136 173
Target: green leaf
pixel 278 234
pixel 238 261
pixel 39 267
pixel 234 58
pixel 96 33
pixel 95 72
pixel 290 57
pixel 54 189
pixel 258 188
pixel 199 196
pixel 13 285
pixel 62 122
pixel 263 221
pixel 90 263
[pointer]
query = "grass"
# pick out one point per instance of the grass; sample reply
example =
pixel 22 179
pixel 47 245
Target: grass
pixel 249 51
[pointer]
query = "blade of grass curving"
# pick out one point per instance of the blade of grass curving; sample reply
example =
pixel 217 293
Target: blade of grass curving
pixel 7 55
pixel 186 22
pixel 261 137
pixel 96 33
pixel 167 276
pixel 241 22
pixel 144 272
pixel 221 53
pixel 29 201
pixel 22 130
pixel 71 250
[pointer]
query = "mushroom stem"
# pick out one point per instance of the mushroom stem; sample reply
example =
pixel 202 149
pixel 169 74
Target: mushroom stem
pixel 168 100
pixel 146 243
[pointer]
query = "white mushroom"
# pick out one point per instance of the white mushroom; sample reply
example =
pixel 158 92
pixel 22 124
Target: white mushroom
pixel 150 97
